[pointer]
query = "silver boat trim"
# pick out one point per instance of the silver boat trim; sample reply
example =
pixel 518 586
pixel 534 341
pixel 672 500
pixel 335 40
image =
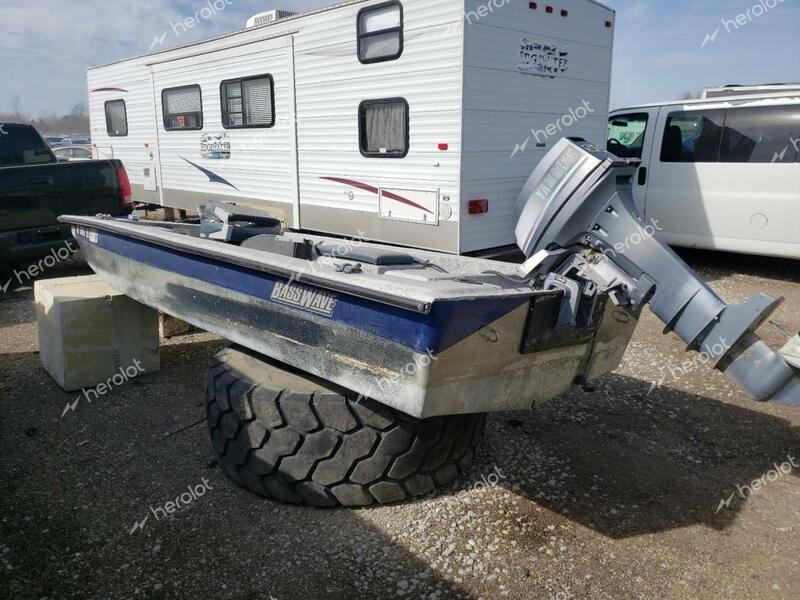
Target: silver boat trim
pixel 407 296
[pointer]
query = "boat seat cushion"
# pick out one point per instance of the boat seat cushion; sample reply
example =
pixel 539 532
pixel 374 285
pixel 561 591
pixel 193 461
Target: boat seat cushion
pixel 370 256
pixel 230 213
pixel 271 243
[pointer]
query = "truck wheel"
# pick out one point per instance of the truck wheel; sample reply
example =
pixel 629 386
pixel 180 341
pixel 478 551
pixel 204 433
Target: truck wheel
pixel 290 436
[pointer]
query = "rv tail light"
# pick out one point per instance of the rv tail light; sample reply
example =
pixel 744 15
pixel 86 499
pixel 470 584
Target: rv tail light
pixel 564 13
pixel 478 207
pixel 608 24
pixel 444 147
pixel 125 190
pixel 549 10
pixel 533 6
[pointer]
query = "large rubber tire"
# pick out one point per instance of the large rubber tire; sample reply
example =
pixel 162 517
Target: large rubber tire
pixel 295 438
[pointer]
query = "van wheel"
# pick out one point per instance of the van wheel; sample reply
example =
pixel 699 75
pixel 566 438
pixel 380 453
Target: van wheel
pixel 290 436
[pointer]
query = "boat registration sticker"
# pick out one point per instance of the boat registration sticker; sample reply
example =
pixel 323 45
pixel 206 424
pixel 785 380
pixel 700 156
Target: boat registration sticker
pixel 90 233
pixel 304 297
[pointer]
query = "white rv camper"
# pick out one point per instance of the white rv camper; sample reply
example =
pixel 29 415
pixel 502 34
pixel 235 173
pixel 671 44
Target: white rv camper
pixel 412 122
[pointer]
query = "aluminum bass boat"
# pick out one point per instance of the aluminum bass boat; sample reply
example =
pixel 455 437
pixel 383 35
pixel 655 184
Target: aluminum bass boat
pixel 434 334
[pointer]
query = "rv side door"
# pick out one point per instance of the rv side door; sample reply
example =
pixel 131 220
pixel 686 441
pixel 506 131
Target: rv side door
pixel 631 135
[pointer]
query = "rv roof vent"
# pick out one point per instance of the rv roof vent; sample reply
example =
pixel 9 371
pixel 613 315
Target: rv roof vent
pixel 270 16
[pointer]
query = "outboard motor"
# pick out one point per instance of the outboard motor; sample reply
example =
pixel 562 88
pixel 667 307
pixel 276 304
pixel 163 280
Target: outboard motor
pixel 582 233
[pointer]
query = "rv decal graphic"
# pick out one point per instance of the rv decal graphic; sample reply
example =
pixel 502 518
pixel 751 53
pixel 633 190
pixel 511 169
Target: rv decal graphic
pixel 109 89
pixel 212 177
pixel 306 298
pixel 546 60
pixel 215 146
pixel 374 190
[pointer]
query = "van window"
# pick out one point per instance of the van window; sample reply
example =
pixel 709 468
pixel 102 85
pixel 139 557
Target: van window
pixel 380 32
pixel 383 128
pixel 248 102
pixel 693 137
pixel 116 118
pixel 626 135
pixel 182 108
pixel 761 135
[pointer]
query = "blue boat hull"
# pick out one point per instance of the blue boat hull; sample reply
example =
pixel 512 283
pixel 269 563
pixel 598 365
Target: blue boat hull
pixel 460 357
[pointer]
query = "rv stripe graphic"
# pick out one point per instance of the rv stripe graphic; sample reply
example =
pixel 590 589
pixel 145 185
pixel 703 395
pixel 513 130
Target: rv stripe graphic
pixel 212 177
pixel 374 190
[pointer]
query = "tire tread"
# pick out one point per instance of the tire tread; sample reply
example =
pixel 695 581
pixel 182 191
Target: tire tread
pixel 273 441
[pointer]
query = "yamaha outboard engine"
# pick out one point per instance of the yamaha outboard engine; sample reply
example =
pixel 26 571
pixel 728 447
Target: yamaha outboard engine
pixel 582 233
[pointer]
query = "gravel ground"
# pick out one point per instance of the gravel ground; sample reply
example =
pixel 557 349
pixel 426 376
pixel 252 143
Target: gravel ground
pixel 609 493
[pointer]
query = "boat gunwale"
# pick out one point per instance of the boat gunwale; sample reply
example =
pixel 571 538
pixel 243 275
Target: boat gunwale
pixel 124 228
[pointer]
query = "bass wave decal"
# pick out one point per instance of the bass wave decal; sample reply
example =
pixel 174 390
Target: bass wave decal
pixel 212 177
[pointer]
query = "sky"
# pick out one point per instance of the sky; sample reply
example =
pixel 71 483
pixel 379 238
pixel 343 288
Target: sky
pixel 46 45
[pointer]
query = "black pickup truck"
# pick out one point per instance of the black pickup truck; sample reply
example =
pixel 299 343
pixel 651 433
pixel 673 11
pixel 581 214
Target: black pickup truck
pixel 36 188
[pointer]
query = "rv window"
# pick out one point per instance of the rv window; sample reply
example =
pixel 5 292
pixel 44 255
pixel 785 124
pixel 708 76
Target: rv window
pixel 626 135
pixel 383 128
pixel 248 102
pixel 693 137
pixel 761 135
pixel 380 32
pixel 116 118
pixel 182 108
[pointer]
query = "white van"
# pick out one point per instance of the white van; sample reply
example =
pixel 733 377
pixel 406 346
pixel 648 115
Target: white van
pixel 720 173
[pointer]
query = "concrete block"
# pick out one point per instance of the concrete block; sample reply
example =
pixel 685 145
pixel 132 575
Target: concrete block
pixel 169 326
pixel 89 332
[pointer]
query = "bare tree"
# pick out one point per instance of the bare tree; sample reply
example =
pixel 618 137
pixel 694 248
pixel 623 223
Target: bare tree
pixel 79 110
pixel 16 110
pixel 48 122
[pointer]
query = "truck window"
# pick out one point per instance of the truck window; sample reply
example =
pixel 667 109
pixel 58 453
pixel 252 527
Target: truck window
pixel 693 137
pixel 182 108
pixel 380 32
pixel 383 128
pixel 116 118
pixel 22 145
pixel 247 102
pixel 626 135
pixel 761 135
